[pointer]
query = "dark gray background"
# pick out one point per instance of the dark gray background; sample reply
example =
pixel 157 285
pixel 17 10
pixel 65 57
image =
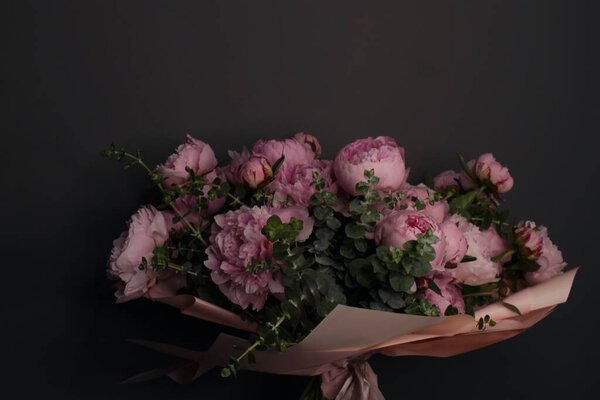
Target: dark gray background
pixel 512 77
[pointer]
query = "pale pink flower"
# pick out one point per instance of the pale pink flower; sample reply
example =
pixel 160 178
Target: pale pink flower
pixel 529 240
pixel 488 169
pixel 450 293
pixel 551 261
pixel 438 210
pixel 456 244
pixel 194 154
pixel 148 229
pixel 292 184
pixel 238 247
pixel 381 154
pixel 295 152
pixel 310 141
pixel 255 171
pixel 398 227
pixel 483 245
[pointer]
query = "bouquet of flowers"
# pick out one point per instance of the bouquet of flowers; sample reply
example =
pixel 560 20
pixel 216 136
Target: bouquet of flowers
pixel 325 263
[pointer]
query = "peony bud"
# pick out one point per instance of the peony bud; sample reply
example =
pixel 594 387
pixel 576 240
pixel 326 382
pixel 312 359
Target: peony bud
pixel 255 171
pixel 488 169
pixel 529 240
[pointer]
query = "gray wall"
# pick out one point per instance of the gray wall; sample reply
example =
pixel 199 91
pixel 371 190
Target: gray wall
pixel 512 77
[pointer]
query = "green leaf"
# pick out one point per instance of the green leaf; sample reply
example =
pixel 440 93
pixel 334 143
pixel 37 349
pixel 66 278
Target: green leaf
pixel 361 245
pixel 433 286
pixel 365 279
pixel 400 282
pixel 415 266
pixel 277 164
pixel 512 308
pixel 354 231
pixel 460 203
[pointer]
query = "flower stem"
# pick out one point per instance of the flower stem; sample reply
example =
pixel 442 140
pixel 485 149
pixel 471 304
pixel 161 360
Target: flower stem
pixel 138 160
pixel 179 269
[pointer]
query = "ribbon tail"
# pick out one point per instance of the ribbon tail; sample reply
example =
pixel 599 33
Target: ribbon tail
pixel 196 365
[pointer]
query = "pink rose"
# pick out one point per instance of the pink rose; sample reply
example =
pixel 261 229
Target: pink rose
pixel 399 227
pixel 483 245
pixel 551 261
pixel 254 171
pixel 309 140
pixel 148 229
pixel 381 154
pixel 450 293
pixel 295 153
pixel 194 154
pixel 488 169
pixel 529 240
pixel 452 178
pixel 293 184
pixel 456 244
pixel 238 249
pixel 438 211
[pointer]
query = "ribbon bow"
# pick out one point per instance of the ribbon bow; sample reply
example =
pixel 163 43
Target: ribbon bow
pixel 350 380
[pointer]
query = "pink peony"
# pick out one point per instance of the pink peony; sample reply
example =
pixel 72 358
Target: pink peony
pixel 309 140
pixel 450 293
pixel 450 178
pixel 194 154
pixel 255 171
pixel 381 154
pixel 438 211
pixel 488 169
pixel 399 227
pixel 232 170
pixel 148 229
pixel 551 261
pixel 292 184
pixel 295 153
pixel 483 245
pixel 456 244
pixel 529 240
pixel 237 247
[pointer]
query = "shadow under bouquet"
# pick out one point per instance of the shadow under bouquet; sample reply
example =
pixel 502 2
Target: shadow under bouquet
pixel 321 264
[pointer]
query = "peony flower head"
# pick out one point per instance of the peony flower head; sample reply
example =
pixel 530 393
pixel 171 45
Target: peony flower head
pixel 194 154
pixel 529 240
pixel 292 184
pixel 148 229
pixel 488 169
pixel 310 141
pixel 381 154
pixel 295 152
pixel 483 245
pixel 399 227
pixel 456 244
pixel 450 293
pixel 255 171
pixel 551 261
pixel 238 250
pixel 438 210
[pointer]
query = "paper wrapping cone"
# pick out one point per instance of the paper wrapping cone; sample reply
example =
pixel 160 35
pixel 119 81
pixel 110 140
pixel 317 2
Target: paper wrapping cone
pixel 349 332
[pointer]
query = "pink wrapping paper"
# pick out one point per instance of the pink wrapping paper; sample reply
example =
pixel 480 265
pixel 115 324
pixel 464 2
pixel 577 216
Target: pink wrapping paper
pixel 350 333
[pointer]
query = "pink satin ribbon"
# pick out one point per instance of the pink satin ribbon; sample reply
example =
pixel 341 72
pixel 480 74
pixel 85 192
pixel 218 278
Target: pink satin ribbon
pixel 350 380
